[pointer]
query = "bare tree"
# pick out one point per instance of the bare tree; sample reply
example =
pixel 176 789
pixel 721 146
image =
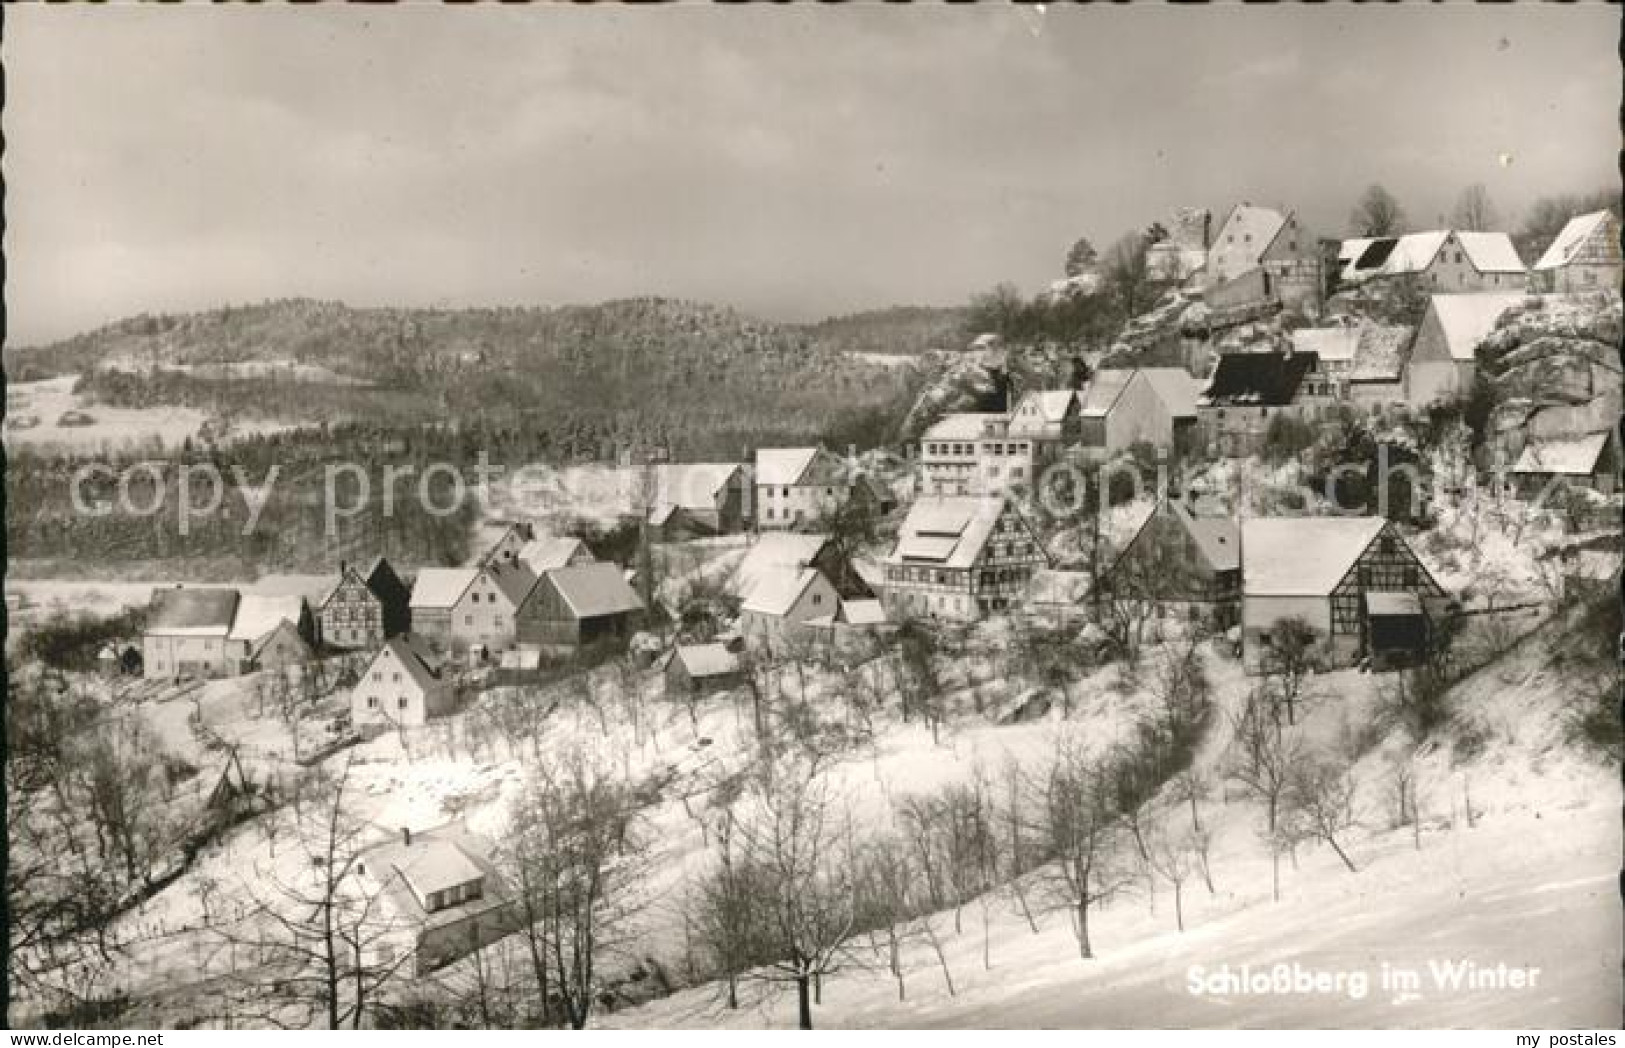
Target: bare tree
pixel 1128 277
pixel 1377 214
pixel 1170 856
pixel 1288 660
pixel 1474 212
pixel 1321 796
pixel 1082 830
pixel 1265 754
pixel 579 861
pixel 792 838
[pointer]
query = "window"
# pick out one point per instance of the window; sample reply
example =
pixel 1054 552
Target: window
pixel 372 702
pixel 377 675
pixel 396 677
pixel 818 598
pixel 401 703
pixel 468 620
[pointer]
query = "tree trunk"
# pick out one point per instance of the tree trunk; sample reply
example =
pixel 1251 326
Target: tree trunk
pixel 1084 950
pixel 1275 875
pixel 1333 842
pixel 1179 906
pixel 804 1002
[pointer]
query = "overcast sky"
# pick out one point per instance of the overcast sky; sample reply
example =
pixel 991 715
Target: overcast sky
pixel 792 162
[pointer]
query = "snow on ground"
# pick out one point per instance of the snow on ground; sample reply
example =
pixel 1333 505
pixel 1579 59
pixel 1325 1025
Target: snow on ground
pixel 42 597
pixel 46 401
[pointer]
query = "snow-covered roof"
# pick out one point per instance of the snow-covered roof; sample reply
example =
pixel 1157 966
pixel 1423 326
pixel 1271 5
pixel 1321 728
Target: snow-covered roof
pixel 1574 456
pixel 1051 404
pixel 1176 388
pixel 693 485
pixel 435 866
pixel 414 657
pixel 867 612
pixel 441 587
pixel 783 466
pixel 947 530
pixel 965 425
pixel 258 614
pixel 1217 538
pixel 1057 586
pixel 192 612
pixel 773 551
pixel 1335 345
pixel 1466 320
pixel 515 580
pixel 594 589
pixel 706 660
pixel 1353 248
pixel 1302 556
pixel 1415 252
pixel 1105 389
pixel 551 551
pixel 1491 252
pixel 1385 602
pixel 1263 223
pixel 777 591
pixel 1569 239
pixel 1380 356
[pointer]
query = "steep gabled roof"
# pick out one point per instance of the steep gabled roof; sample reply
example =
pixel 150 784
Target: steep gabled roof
pixel 1570 457
pixel 783 467
pixel 188 611
pixel 550 551
pixel 1302 556
pixel 1491 252
pixel 706 660
pixel 515 580
pixel 693 485
pixel 1176 388
pixel 1574 233
pixel 1218 538
pixel 779 590
pixel 773 551
pixel 282 627
pixel 442 587
pixel 1334 345
pixel 1264 223
pixel 414 658
pixel 258 614
pixel 592 590
pixel 1466 320
pixel 1105 390
pixel 1258 379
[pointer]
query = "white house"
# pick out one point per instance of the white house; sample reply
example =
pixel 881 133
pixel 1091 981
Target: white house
pixel 783 598
pixel 972 453
pixel 403 686
pixel 1584 256
pixel 1444 358
pixel 258 616
pixel 1269 240
pixel 796 486
pixel 554 551
pixel 187 633
pixel 476 607
pixel 1444 260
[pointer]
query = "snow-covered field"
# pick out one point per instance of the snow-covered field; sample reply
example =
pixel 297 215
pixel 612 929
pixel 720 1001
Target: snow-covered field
pixel 45 402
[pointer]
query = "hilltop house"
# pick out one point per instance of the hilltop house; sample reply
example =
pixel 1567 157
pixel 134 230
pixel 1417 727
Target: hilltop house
pixel 1352 580
pixel 960 558
pixel 1182 563
pixel 186 633
pixel 1250 390
pixel 403 686
pixel 1444 359
pixel 578 606
pixel 1443 260
pixel 476 607
pixel 1584 256
pixel 1122 407
pixel 971 453
pixel 1048 420
pixel 554 551
pixel 364 608
pixel 270 631
pixel 796 486
pixel 1263 245
pixel 440 898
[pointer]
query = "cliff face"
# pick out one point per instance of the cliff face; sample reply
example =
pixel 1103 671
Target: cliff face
pixel 1554 362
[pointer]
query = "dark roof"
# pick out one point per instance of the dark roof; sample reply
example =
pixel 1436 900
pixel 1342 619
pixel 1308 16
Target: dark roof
pixel 1260 379
pixel 182 608
pixel 384 583
pixel 1376 253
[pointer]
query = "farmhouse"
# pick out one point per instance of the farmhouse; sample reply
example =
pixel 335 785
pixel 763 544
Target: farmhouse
pixel 1250 390
pixel 554 551
pixel 577 606
pixel 960 558
pixel 505 541
pixel 1443 361
pixel 1183 563
pixel 1270 251
pixel 710 495
pixel 776 552
pixel 258 618
pixel 796 486
pixel 441 897
pixel 1584 256
pixel 403 686
pixel 364 608
pixel 1444 260
pixel 186 633
pixel 1325 571
pixel 783 598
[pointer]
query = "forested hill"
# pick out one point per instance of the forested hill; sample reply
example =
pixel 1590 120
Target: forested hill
pixel 640 367
pixel 904 330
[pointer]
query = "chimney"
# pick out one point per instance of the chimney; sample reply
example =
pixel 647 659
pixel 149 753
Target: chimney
pixel 1079 372
pixel 406 836
pixel 344 566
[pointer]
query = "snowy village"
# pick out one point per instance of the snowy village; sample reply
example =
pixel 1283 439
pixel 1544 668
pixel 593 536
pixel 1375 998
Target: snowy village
pixel 1240 598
